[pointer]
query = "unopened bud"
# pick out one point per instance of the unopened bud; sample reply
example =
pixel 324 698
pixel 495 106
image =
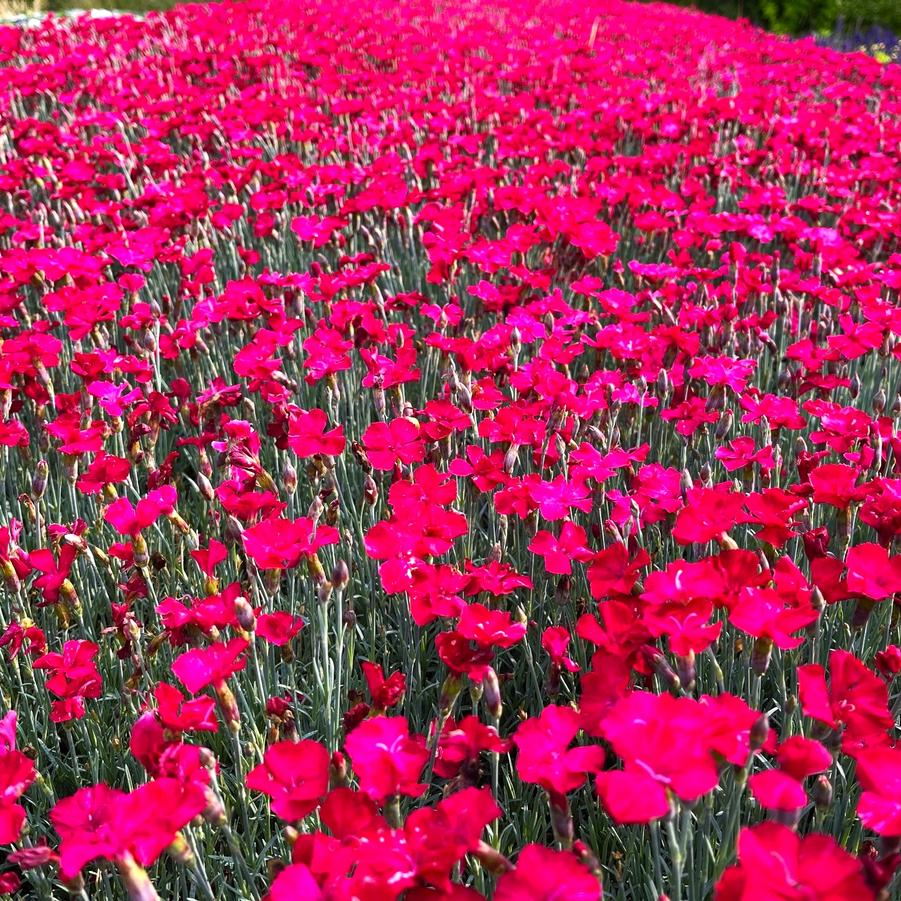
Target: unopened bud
pixel 759 732
pixel 39 481
pixel 492 694
pixel 338 770
pixel 761 655
pixel 244 614
pixel 822 792
pixel 140 552
pixel 687 670
pixel 324 592
pixel 289 477
pixel 229 706
pixel 205 487
pixel 340 576
pixel 370 491
pixel 137 882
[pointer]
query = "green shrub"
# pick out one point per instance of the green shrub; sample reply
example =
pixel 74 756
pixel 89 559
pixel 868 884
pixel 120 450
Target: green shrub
pixel 806 16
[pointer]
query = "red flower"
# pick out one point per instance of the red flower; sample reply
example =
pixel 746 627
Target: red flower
pixel 129 520
pixel 104 470
pixel 384 692
pixel 543 874
pixel 545 757
pixel 555 641
pixel 873 572
pixel 460 745
pixel 294 882
pixel 295 775
pixel 211 665
pixel 835 484
pixel 664 739
pixel 277 543
pixel 742 452
pixel 776 863
pixel 398 440
pixel 630 796
pixel 766 614
pixel 73 677
pixel 55 572
pixel 489 628
pixel 278 628
pixel 179 715
pixel 210 557
pixel 560 552
pixel 386 758
pixel 855 697
pixel 801 757
pixel 707 514
pixel 613 571
pixel 100 821
pixel 879 807
pixel 776 790
pixel 307 435
pixel 16 775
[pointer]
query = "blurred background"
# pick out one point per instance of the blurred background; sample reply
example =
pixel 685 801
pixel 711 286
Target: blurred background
pixel 873 26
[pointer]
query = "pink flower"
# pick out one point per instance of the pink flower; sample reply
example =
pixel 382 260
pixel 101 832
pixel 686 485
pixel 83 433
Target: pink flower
pixel 545 757
pixel 130 520
pixel 295 775
pixel 560 552
pixel 397 441
pixel 775 862
pixel 278 628
pixel 308 435
pixel 543 874
pixel 210 665
pixel 386 758
pixel 278 543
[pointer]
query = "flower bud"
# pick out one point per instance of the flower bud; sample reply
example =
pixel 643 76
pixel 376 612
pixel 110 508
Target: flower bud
pixel 324 592
pixel 492 694
pixel 687 670
pixel 338 771
pixel 289 477
pixel 229 706
pixel 140 552
pixel 492 859
pixel 244 614
pixel 39 480
pixel 759 732
pixel 340 576
pixel 370 491
pixel 822 792
pixel 761 655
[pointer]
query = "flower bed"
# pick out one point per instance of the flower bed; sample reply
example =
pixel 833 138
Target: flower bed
pixel 448 452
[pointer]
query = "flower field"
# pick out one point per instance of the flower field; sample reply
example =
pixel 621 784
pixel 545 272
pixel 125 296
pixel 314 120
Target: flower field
pixel 448 452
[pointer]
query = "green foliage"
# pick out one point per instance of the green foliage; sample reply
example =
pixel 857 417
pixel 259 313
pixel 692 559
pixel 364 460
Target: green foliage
pixel 884 13
pixel 799 16
pixel 805 16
